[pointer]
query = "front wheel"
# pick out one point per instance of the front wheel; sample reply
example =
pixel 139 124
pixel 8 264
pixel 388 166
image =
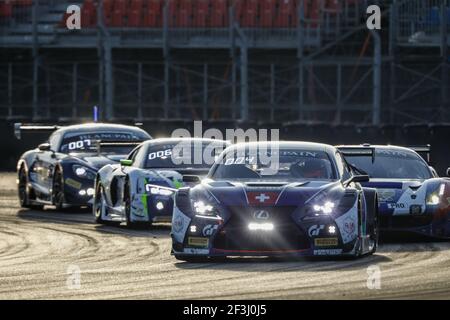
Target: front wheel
pixel 58 190
pixel 127 204
pixel 24 192
pixel 98 206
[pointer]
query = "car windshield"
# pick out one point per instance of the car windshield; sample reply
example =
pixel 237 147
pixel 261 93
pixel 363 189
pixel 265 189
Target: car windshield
pixel 283 164
pixel 391 164
pixel 86 141
pixel 183 154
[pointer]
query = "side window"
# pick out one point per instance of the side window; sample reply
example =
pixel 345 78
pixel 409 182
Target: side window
pixel 54 140
pixel 133 153
pixel 344 172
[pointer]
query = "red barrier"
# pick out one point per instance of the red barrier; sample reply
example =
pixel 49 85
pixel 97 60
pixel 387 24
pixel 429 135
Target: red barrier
pixel 5 9
pixel 200 13
pixel 153 14
pixel 219 14
pixel 267 13
pixel 285 16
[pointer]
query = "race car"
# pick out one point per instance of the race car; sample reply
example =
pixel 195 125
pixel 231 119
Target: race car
pixel 412 198
pixel 279 199
pixel 139 190
pixel 61 171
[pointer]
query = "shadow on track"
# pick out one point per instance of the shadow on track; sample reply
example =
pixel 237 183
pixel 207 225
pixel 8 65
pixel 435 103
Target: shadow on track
pixel 306 264
pixel 77 216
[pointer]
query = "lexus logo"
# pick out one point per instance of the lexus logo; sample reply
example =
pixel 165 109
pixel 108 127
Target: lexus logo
pixel 261 215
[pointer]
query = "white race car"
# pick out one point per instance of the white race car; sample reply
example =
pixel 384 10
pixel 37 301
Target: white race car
pixel 140 189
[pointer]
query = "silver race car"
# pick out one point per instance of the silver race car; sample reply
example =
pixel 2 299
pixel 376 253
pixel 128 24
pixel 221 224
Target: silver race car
pixel 139 190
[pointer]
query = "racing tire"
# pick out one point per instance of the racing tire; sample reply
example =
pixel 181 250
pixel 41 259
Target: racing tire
pixel 24 191
pixel 97 206
pixel 58 191
pixel 375 230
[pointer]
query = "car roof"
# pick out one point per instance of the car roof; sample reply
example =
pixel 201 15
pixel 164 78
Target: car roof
pixel 100 126
pixel 177 140
pixel 312 146
pixel 378 146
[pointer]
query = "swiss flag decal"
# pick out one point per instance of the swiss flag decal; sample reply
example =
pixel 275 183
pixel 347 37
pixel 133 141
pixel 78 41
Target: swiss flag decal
pixel 262 198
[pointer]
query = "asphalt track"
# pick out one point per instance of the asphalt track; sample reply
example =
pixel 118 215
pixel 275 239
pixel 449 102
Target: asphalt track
pixel 40 249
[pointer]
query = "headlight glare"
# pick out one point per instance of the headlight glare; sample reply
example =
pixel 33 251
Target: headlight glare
pixel 83 172
pixel 203 208
pixel 326 208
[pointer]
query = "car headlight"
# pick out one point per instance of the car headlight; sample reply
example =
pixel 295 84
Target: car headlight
pixel 325 208
pixel 83 172
pixel 202 208
pixel 435 197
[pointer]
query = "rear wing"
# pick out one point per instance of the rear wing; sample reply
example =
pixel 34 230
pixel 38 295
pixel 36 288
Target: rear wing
pixel 19 127
pixel 102 144
pixel 423 151
pixel 357 151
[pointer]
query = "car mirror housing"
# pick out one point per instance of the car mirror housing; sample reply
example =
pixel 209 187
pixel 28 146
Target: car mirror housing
pixel 126 162
pixel 357 179
pixel 360 178
pixel 44 147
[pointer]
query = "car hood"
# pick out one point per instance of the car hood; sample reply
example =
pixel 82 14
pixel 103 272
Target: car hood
pixel 98 161
pixel 233 193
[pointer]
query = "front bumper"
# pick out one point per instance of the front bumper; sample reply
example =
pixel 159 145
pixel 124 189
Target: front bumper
pixel 212 237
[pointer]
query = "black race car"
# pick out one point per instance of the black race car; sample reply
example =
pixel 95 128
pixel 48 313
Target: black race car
pixel 62 171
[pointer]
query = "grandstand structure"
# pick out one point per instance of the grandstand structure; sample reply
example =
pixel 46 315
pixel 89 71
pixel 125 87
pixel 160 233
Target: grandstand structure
pixel 278 61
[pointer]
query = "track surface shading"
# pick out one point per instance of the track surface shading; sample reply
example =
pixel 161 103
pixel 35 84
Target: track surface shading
pixel 40 250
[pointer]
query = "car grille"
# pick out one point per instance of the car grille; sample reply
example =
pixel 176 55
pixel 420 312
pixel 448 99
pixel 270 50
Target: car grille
pixel 286 235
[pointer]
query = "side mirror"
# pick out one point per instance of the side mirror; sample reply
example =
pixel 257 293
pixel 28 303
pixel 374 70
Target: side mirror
pixel 448 172
pixel 358 178
pixel 44 147
pixel 191 179
pixel 126 162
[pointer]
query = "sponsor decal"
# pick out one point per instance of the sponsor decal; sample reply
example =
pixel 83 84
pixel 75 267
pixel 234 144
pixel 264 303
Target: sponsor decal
pixel 72 183
pixel 314 230
pixel 325 242
pixel 327 252
pixel 349 225
pixel 209 229
pixel 180 223
pixel 262 198
pixel 177 224
pixel 396 205
pixel 386 195
pixel 261 215
pixel 198 242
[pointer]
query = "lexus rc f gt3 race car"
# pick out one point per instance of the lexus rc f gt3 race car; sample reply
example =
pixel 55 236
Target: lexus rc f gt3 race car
pixel 61 172
pixel 140 189
pixel 411 196
pixel 305 202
